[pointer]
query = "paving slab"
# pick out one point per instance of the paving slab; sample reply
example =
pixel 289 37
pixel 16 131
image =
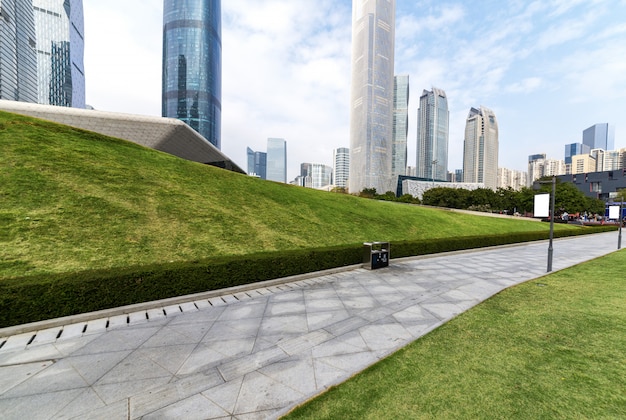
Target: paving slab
pixel 255 354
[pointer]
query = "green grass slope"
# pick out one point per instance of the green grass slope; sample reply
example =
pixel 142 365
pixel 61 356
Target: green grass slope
pixel 72 200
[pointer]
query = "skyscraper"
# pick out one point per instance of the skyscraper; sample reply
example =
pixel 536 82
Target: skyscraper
pixel 257 163
pixel 573 150
pixel 480 148
pixel 192 65
pixel 432 135
pixel 277 160
pixel 18 54
pixel 341 167
pixel 371 111
pixel 59 26
pixel 400 124
pixel 599 136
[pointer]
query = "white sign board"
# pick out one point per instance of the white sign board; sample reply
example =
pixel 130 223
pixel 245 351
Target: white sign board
pixel 542 205
pixel 614 212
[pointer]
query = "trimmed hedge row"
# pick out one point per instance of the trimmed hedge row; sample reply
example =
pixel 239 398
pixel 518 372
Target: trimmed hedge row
pixel 35 298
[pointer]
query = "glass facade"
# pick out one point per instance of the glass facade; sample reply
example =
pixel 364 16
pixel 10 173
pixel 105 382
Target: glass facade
pixel 400 124
pixel 432 135
pixel 371 116
pixel 59 26
pixel 573 150
pixel 480 148
pixel 18 56
pixel 277 160
pixel 257 163
pixel 192 65
pixel 341 167
pixel 599 136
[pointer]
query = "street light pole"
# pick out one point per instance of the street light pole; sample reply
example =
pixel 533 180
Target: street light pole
pixel 552 201
pixel 620 221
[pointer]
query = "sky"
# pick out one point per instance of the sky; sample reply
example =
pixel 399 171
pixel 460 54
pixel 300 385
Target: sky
pixel 547 68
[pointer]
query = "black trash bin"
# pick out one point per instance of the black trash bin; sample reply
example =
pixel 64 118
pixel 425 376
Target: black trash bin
pixel 375 255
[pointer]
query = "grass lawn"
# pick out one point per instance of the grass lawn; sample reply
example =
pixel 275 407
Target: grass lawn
pixel 72 200
pixel 551 348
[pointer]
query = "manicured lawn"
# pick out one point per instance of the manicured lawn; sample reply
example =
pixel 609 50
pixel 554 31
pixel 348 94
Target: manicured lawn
pixel 71 200
pixel 551 348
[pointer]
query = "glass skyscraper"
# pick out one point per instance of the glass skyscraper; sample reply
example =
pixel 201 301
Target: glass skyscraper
pixel 257 163
pixel 432 135
pixel 59 26
pixel 599 136
pixel 575 149
pixel 480 148
pixel 341 166
pixel 400 124
pixel 18 54
pixel 371 111
pixel 192 65
pixel 277 160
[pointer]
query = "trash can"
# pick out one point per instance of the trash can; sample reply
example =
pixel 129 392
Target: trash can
pixel 375 255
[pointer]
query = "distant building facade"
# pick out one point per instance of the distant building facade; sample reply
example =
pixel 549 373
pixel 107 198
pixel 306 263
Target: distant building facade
pixel 432 135
pixel 257 163
pixel 480 148
pixel 371 116
pixel 18 51
pixel 277 160
pixel 341 167
pixel 400 124
pixel 511 178
pixel 192 65
pixel 599 136
pixel 59 26
pixel 575 149
pixel 314 175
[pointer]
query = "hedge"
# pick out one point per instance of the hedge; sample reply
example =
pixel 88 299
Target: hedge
pixel 35 298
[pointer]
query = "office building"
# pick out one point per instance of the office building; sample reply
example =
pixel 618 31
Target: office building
pixel 607 160
pixel 511 178
pixel 480 148
pixel 314 175
pixel 341 167
pixel 371 110
pixel 599 136
pixel 582 164
pixel 573 150
pixel 59 26
pixel 257 163
pixel 400 124
pixel 554 167
pixel 432 135
pixel 276 160
pixel 18 53
pixel 192 65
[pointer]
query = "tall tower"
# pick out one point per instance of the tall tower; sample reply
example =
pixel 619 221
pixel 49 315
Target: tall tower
pixel 59 25
pixel 432 135
pixel 277 160
pixel 480 149
pixel 371 111
pixel 18 58
pixel 600 136
pixel 400 124
pixel 257 163
pixel 192 65
pixel 341 166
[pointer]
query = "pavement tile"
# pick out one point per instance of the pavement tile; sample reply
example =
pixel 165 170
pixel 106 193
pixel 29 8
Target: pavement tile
pixel 37 407
pixel 82 405
pixel 289 324
pixel 196 407
pixel 251 363
pixel 55 377
pixel 318 320
pixel 202 357
pixel 115 392
pixel 225 395
pixel 385 336
pixel 11 376
pixel 261 393
pixel 117 340
pixel 134 367
pixel 348 343
pixel 295 372
pixel 303 343
pixel 93 367
pixel 72 331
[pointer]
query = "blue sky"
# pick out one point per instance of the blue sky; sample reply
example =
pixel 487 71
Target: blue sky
pixel 548 69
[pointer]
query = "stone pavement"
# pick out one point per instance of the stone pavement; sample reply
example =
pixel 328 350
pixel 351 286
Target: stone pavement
pixel 258 353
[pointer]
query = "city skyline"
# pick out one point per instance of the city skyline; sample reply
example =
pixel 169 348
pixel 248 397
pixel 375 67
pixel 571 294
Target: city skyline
pixel 433 126
pixel 524 61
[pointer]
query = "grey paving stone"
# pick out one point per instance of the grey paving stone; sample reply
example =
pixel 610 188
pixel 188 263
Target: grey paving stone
pixel 13 375
pixel 196 407
pixel 40 406
pixel 261 393
pixel 251 363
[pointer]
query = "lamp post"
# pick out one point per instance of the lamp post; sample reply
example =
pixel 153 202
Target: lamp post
pixel 552 206
pixel 433 172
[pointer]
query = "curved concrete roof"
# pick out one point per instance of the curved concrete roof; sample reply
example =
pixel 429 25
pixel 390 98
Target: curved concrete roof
pixel 165 134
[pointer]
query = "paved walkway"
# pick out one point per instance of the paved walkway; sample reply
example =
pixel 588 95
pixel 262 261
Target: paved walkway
pixel 256 354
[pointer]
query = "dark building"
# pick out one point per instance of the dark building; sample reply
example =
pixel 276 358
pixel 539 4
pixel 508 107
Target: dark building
pixel 597 184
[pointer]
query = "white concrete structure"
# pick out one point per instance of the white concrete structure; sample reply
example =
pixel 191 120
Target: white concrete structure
pixel 165 134
pixel 418 188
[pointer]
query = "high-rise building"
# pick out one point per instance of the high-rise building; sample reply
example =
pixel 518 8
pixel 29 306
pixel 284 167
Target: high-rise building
pixel 192 65
pixel 573 150
pixel 599 136
pixel 341 167
pixel 18 53
pixel 59 26
pixel 606 160
pixel 553 167
pixel 582 164
pixel 535 167
pixel 314 175
pixel 480 148
pixel 371 111
pixel 257 163
pixel 400 124
pixel 277 160
pixel 432 135
pixel 511 178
